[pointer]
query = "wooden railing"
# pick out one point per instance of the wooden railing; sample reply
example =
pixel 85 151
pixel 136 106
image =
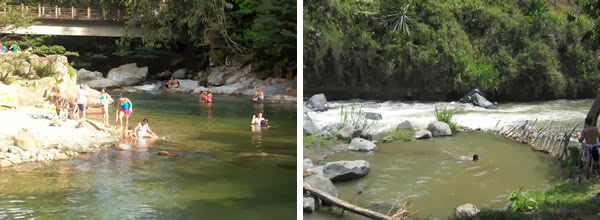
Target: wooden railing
pixel 49 12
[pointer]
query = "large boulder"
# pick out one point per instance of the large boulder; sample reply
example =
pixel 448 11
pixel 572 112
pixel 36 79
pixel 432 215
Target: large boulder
pixel 346 170
pixel 232 89
pixel 359 144
pixel 373 116
pixel 422 134
pixel 345 133
pixel 179 74
pixel 236 77
pixel 476 98
pixel 84 75
pixel 321 183
pixel 317 102
pixel 439 128
pixel 188 84
pixel 164 75
pixel 466 210
pixel 309 126
pixel 102 83
pixel 406 125
pixel 216 76
pixel 128 74
pixel 27 141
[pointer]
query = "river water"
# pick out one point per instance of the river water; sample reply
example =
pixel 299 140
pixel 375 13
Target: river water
pixel 216 174
pixel 424 173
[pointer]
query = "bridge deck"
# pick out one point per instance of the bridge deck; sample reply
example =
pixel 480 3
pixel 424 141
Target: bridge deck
pixel 48 12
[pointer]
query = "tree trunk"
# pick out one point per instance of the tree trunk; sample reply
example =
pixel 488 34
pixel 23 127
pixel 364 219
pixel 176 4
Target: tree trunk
pixel 345 205
pixel 595 109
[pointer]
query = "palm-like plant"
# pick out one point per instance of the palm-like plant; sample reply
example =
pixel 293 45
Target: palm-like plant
pixel 400 21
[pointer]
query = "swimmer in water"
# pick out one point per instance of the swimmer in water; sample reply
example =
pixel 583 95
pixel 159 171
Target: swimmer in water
pixel 464 158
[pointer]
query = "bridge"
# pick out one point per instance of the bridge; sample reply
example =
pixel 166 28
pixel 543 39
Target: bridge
pixel 71 21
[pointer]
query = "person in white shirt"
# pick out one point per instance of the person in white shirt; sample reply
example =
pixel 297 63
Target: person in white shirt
pixel 81 101
pixel 259 121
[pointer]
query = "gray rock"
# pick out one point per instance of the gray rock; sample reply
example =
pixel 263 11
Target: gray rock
pixel 476 98
pixel 366 136
pixel 309 126
pixel 346 170
pixel 358 130
pixel 387 139
pixel 164 75
pixel 231 89
pixel 317 102
pixel 345 133
pixel 406 125
pixel 128 74
pixel 216 77
pixel 466 210
pixel 123 147
pixel 317 170
pixel 307 164
pixel 84 75
pixel 179 74
pixel 373 116
pixel 26 141
pixel 439 128
pixel 102 83
pixel 321 183
pixel 14 150
pixel 333 128
pixel 359 144
pixel 309 204
pixel 422 134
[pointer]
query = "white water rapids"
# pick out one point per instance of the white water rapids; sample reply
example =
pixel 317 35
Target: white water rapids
pixel 563 112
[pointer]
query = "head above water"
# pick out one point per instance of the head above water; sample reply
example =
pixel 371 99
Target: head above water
pixel 260 114
pixel 475 157
pixel 145 121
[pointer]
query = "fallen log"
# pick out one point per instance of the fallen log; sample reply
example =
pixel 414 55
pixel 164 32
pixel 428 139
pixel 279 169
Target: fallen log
pixel 567 140
pixel 345 205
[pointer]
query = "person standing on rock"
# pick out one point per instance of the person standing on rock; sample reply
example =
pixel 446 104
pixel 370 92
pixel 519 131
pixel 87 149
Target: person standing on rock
pixel 61 97
pixel 124 109
pixel 589 139
pixel 104 101
pixel 81 101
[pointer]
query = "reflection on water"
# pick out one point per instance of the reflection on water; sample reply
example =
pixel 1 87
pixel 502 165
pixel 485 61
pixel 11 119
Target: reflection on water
pixel 208 179
pixel 435 183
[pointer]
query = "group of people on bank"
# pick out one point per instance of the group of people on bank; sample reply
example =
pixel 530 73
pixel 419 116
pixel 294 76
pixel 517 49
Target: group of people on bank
pixel 14 48
pixel 124 109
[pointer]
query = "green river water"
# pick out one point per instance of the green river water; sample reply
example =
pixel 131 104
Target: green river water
pixel 214 175
pixel 422 172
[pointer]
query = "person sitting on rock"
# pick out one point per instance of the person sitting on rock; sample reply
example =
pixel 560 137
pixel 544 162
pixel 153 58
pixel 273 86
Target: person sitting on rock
pixel 258 96
pixel 29 49
pixel 464 158
pixel 142 130
pixel 177 84
pixel 15 47
pixel 170 83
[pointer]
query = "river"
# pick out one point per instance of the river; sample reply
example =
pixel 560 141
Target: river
pixel 214 176
pixel 435 183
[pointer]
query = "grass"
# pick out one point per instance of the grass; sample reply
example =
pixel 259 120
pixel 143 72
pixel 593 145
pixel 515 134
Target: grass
pixel 561 201
pixel 71 71
pixel 445 115
pixel 401 134
pixel 317 140
pixel 354 116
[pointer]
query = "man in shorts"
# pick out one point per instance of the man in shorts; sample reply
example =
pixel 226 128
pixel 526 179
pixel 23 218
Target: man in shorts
pixel 589 139
pixel 81 101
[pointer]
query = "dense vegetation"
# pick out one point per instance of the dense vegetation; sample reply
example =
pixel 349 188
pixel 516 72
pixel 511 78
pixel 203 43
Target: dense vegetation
pixel 439 50
pixel 259 32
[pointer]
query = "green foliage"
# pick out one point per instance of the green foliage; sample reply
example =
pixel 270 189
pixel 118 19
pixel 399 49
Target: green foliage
pixel 400 21
pixel 44 50
pixel 44 70
pixel 521 202
pixel 402 134
pixel 71 71
pixel 317 140
pixel 5 79
pixel 515 50
pixel 443 115
pixel 354 116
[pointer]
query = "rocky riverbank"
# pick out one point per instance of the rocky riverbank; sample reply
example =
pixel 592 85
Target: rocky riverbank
pixel 31 131
pixel 233 79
